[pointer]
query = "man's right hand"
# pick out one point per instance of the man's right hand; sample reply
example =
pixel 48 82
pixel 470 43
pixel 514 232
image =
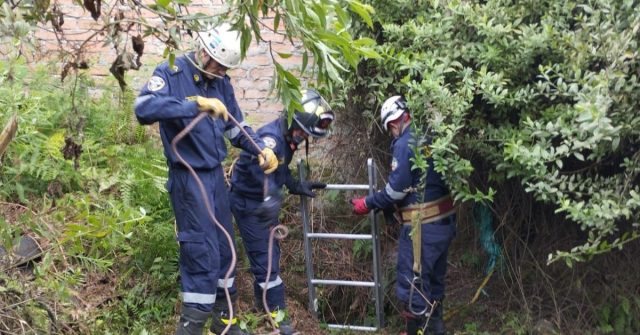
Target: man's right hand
pixel 268 160
pixel 214 106
pixel 360 206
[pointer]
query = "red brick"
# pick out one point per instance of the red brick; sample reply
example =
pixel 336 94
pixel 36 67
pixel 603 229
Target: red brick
pixel 258 60
pixel 254 94
pixel 258 118
pixel 82 35
pixel 262 72
pixel 254 84
pixel 284 47
pixel 271 106
pixel 44 34
pixel 237 73
pixel 248 105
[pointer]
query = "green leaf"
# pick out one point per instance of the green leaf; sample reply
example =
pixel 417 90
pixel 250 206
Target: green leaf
pixel 172 59
pixel 584 117
pixel 342 15
pixel 245 40
pixel 305 61
pixel 276 21
pixel 362 10
pixel 364 42
pixel 163 3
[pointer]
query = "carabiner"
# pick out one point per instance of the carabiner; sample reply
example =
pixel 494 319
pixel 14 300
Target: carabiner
pixel 414 283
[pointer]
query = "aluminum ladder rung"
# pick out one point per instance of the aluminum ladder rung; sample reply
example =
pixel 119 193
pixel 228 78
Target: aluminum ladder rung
pixel 341 236
pixel 308 234
pixel 343 282
pixel 347 187
pixel 351 327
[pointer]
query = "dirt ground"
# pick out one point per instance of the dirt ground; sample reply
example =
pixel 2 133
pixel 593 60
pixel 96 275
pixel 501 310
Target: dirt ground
pixel 463 283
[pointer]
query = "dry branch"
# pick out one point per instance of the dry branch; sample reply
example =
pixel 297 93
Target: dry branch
pixel 8 133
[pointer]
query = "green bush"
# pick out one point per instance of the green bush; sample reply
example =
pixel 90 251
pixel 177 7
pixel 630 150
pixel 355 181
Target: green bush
pixel 101 209
pixel 540 91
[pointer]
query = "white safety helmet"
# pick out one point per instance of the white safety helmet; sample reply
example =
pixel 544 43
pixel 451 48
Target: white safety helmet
pixel 222 44
pixel 392 109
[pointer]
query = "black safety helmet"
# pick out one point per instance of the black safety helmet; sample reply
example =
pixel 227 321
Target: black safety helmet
pixel 316 117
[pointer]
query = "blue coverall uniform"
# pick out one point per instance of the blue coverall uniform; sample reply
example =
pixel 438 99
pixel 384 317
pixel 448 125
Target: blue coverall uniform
pixel 169 98
pixel 246 197
pixel 400 191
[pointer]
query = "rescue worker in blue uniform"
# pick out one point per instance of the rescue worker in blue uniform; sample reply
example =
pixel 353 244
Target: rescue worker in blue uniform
pixel 255 215
pixel 426 212
pixel 173 96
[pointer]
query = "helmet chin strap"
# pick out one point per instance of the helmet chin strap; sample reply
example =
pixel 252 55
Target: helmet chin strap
pixel 198 64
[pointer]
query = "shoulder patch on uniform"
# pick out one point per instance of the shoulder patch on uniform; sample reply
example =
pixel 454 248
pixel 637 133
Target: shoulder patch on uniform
pixel 270 142
pixel 155 84
pixel 394 164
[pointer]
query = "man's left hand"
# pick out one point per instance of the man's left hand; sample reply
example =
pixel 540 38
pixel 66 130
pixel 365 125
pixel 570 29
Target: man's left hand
pixel 360 206
pixel 306 188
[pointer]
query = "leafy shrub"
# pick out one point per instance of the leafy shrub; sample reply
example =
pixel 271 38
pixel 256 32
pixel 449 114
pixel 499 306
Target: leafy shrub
pixel 542 92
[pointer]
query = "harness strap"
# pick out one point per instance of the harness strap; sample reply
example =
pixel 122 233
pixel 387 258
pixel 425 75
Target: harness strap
pixel 416 241
pixel 428 212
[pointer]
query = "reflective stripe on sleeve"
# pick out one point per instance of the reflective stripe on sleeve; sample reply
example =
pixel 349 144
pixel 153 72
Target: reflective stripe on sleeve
pixel 142 99
pixel 233 132
pixel 395 195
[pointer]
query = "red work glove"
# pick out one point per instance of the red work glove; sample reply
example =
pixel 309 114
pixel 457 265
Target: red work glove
pixel 359 206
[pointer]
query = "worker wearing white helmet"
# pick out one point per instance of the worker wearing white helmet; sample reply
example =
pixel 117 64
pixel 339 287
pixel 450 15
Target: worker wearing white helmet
pixel 197 82
pixel 222 46
pixel 427 215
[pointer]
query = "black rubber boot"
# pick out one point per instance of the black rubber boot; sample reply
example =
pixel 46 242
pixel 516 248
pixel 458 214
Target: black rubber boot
pixel 221 319
pixel 436 322
pixel 414 324
pixel 284 326
pixel 191 321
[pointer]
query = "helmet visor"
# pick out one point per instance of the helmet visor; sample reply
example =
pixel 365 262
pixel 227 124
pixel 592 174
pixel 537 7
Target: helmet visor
pixel 322 125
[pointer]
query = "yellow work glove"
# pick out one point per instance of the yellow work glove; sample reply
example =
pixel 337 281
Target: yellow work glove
pixel 214 106
pixel 268 160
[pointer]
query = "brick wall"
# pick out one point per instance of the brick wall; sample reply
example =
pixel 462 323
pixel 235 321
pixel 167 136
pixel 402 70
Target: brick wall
pixel 252 80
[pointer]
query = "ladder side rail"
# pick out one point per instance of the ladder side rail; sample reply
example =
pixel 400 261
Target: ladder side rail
pixel 375 229
pixel 304 212
pixel 375 232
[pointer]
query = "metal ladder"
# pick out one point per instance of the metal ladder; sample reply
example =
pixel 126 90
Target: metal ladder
pixel 376 284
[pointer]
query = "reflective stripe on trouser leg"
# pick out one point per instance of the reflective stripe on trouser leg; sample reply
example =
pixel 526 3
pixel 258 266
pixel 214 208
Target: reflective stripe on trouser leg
pixel 255 236
pixel 199 247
